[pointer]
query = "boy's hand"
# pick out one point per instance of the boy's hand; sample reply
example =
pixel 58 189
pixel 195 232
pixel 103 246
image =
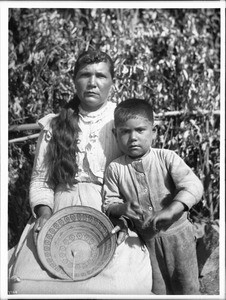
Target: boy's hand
pixel 164 218
pixel 129 210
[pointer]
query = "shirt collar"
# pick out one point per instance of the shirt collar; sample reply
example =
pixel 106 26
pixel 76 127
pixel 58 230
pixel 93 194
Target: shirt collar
pixel 140 164
pixel 92 114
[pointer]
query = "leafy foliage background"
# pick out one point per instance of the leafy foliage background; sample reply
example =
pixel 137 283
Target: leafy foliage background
pixel 171 56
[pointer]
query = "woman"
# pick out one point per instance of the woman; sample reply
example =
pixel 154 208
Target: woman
pixel 73 150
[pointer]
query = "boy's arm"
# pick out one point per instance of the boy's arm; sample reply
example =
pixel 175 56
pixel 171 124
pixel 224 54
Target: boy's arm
pixel 111 193
pixel 112 200
pixel 189 189
pixel 113 203
pixel 162 219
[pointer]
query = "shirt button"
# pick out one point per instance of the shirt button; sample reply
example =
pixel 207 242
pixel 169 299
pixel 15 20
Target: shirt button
pixel 150 208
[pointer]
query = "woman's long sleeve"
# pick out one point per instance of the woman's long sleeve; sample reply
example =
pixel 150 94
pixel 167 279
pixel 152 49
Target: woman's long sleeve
pixel 40 192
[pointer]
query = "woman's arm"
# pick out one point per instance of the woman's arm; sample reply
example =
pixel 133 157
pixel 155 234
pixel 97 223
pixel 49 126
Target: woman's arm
pixel 43 213
pixel 40 193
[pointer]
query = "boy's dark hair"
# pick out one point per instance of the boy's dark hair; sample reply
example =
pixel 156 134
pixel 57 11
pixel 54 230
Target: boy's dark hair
pixel 131 109
pixel 92 57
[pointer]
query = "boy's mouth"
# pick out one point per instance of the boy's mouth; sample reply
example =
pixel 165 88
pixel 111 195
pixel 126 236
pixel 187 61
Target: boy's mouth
pixel 134 147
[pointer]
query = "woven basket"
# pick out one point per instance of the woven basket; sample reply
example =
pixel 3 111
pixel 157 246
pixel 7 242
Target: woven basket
pixel 67 243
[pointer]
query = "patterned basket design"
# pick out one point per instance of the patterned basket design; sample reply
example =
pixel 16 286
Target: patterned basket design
pixel 67 243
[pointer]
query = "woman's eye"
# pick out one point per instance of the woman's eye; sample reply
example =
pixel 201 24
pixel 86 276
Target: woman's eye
pixel 140 130
pixel 101 76
pixel 83 75
pixel 86 75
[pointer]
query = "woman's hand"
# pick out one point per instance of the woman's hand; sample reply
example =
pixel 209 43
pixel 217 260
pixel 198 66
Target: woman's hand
pixel 44 213
pixel 164 218
pixel 123 232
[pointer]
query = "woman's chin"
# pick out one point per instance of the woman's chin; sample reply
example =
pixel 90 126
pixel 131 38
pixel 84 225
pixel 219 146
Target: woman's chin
pixel 92 104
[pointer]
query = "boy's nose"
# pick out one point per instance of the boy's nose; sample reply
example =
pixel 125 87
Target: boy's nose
pixel 133 136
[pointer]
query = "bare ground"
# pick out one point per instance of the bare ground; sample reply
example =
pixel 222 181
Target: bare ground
pixel 208 258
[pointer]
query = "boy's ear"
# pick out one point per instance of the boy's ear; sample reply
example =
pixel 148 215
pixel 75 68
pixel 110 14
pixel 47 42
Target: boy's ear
pixel 114 132
pixel 154 134
pixel 154 129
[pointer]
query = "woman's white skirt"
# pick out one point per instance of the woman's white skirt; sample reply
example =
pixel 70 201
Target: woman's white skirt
pixel 128 273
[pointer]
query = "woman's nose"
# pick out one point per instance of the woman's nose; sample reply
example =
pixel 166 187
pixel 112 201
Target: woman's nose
pixel 92 81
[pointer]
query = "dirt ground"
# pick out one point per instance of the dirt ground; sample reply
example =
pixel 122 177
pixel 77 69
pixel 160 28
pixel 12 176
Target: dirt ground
pixel 208 258
pixel 209 281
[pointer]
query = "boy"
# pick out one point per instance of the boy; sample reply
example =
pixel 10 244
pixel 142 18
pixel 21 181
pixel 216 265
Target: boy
pixel 154 188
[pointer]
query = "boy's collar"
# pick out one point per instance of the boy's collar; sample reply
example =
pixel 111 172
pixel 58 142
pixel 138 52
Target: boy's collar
pixel 139 158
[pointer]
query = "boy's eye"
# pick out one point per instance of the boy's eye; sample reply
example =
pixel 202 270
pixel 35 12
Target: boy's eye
pixel 124 131
pixel 85 75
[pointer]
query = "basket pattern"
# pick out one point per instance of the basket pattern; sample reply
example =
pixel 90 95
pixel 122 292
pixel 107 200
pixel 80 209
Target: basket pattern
pixel 67 244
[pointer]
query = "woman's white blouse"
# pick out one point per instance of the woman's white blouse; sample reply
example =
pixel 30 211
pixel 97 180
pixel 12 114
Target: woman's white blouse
pixel 97 147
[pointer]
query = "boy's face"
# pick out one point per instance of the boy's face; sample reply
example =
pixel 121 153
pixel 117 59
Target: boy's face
pixel 135 136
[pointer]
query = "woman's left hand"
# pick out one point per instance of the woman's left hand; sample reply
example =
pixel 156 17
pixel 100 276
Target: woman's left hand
pixel 122 235
pixel 123 232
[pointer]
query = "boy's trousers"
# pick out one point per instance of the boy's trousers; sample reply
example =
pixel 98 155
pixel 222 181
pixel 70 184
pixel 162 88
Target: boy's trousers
pixel 174 261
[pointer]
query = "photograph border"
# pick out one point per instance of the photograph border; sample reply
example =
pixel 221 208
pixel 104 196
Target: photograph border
pixel 4 6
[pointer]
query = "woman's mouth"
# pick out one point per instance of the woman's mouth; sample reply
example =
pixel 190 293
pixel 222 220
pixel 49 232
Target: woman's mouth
pixel 90 93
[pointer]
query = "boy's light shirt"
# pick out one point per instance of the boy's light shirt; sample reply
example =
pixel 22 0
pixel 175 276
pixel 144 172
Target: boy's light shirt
pixel 165 177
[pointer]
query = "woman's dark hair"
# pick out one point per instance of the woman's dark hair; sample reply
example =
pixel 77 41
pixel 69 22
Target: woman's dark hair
pixel 91 57
pixel 131 109
pixel 60 156
pixel 61 151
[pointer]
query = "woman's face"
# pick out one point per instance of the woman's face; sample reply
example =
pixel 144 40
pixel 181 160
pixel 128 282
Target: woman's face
pixel 93 83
